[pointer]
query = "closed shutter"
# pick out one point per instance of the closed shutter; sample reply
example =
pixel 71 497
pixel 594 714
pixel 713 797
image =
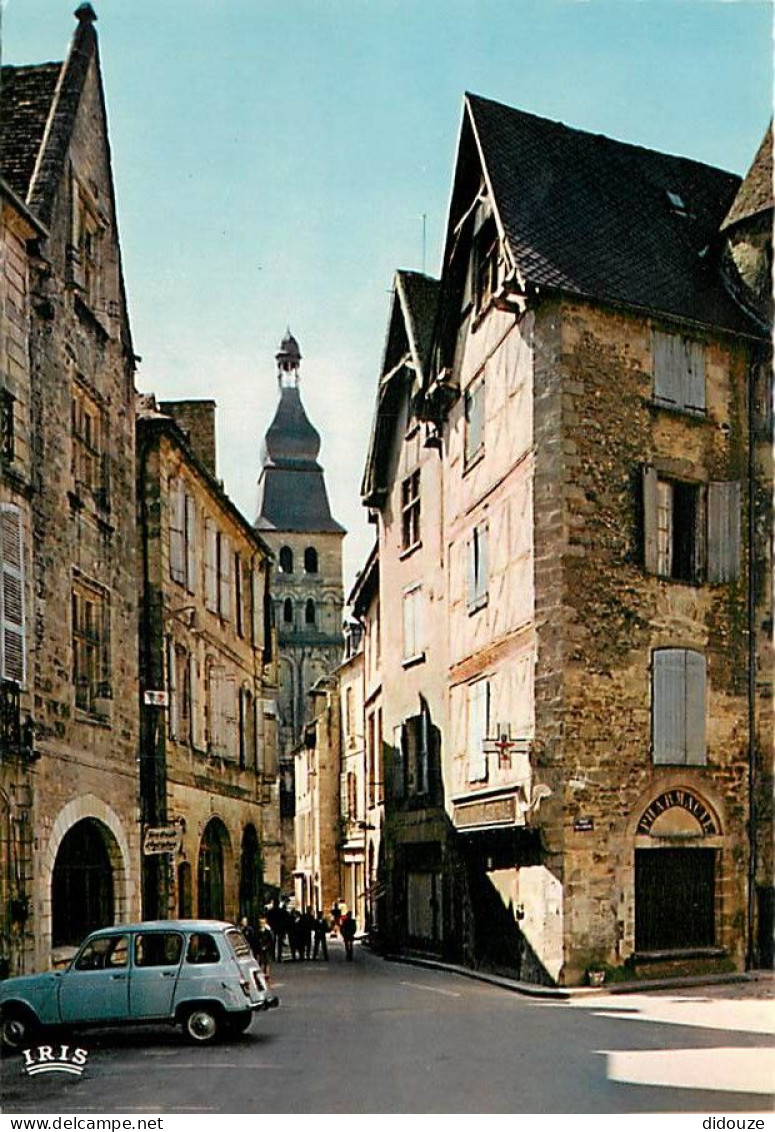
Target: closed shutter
pixel 696 752
pixel 211 566
pixel 695 375
pixel 482 565
pixel 470 571
pixel 192 555
pixel 257 728
pixel 256 608
pixel 215 709
pixel 172 689
pixel 230 717
pixel 667 367
pixel 12 637
pixel 224 577
pixel 196 719
pixel 177 532
pixel 723 532
pixel 668 706
pixel 650 520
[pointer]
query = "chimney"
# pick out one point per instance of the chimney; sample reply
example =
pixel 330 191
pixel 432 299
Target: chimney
pixel 197 420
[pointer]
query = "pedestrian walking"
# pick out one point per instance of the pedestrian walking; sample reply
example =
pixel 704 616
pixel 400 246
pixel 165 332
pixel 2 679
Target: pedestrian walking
pixel 348 928
pixel 265 940
pixel 249 933
pixel 320 931
pixel 306 928
pixel 294 935
pixel 336 917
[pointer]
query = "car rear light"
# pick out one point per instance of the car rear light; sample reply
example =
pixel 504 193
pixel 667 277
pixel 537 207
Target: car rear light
pixel 260 981
pixel 245 987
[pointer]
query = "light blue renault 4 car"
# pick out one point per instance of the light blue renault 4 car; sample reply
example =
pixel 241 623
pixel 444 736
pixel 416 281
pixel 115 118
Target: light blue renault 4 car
pixel 200 975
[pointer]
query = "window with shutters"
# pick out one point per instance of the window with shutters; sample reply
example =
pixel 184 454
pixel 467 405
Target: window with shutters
pixel 91 646
pixel 247 729
pixel 7 426
pixel 691 530
pixel 477 574
pixel 256 610
pixel 416 754
pixel 12 612
pixel 177 514
pixel 678 707
pixel 679 372
pixel 192 546
pixel 474 422
pixel 478 724
pixel 89 447
pixel 413 624
pixel 410 511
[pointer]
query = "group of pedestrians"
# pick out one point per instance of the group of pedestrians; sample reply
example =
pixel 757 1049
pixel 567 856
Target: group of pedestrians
pixel 306 935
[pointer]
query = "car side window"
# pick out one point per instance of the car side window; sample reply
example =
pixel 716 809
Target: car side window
pixel 158 949
pixel 107 951
pixel 202 948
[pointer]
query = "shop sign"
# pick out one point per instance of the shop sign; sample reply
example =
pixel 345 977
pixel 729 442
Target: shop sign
pixel 162 839
pixel 680 798
pixel 583 825
pixel 485 813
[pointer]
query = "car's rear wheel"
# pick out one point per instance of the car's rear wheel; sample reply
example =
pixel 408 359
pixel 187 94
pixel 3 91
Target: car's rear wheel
pixel 18 1028
pixel 202 1025
pixel 238 1023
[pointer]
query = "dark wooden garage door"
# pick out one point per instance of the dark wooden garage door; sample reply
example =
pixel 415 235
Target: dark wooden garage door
pixel 674 899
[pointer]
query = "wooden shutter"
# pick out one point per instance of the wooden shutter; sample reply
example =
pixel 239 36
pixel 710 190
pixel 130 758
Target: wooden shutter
pixel 257 729
pixel 668 706
pixel 172 689
pixel 723 532
pixel 12 635
pixel 650 511
pixel 696 752
pixel 192 556
pixel 211 566
pixel 668 363
pixel 694 368
pixel 482 564
pixel 256 608
pixel 215 708
pixel 224 577
pixel 177 532
pixel 470 571
pixel 195 709
pixel 230 717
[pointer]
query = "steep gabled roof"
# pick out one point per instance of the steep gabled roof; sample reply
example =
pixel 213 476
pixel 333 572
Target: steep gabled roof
pixel 407 348
pixel 26 95
pixel 755 193
pixel 603 219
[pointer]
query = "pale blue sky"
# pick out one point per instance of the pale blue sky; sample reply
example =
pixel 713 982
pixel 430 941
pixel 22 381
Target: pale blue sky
pixel 273 160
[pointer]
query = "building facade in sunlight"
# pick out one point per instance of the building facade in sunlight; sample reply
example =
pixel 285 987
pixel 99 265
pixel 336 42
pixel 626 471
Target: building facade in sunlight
pixel 572 481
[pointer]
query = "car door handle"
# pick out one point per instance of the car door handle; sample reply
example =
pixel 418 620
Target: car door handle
pixel 118 977
pixel 168 974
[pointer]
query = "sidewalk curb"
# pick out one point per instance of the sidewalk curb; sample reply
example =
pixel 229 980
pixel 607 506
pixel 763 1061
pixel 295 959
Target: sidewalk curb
pixel 565 994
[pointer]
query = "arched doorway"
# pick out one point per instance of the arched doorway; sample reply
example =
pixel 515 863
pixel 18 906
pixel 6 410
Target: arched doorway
pixel 676 866
pixel 211 887
pixel 82 890
pixel 251 876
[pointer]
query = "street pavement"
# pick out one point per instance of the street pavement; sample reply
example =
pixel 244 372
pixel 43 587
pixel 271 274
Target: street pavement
pixel 383 1037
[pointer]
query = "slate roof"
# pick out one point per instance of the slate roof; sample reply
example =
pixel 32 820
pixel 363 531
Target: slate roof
pixel 292 492
pixel 591 216
pixel 755 193
pixel 26 94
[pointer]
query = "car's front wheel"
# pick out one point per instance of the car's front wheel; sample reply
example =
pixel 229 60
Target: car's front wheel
pixel 18 1028
pixel 202 1024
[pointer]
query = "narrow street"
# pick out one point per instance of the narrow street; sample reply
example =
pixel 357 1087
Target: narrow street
pixel 381 1037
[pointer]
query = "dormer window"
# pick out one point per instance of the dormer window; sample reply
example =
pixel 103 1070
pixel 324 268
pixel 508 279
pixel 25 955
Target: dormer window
pixel 677 204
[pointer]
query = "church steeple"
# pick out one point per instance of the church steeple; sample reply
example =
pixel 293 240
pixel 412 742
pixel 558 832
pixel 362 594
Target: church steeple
pixel 288 361
pixel 291 489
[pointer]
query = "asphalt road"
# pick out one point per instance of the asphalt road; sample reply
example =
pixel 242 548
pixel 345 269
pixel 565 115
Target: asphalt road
pixel 378 1037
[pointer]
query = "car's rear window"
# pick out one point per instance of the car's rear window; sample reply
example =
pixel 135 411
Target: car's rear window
pixel 202 948
pixel 239 944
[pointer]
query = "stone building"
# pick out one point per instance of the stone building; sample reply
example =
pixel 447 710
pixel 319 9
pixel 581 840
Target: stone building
pixel 294 517
pixel 17 229
pixel 590 397
pixel 316 875
pixel 78 867
pixel 208 750
pixel 352 774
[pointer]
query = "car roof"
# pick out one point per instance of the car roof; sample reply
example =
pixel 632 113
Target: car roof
pixel 166 925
